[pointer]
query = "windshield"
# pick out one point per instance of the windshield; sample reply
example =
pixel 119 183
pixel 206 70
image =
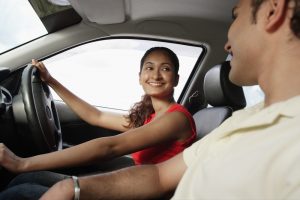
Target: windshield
pixel 22 21
pixel 18 24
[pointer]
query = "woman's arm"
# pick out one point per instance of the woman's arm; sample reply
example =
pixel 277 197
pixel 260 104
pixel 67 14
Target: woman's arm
pixel 165 128
pixel 174 126
pixel 159 131
pixel 142 182
pixel 82 154
pixel 84 110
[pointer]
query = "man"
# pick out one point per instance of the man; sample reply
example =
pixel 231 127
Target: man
pixel 255 154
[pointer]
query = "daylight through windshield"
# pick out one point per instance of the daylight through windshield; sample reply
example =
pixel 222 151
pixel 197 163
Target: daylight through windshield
pixel 18 24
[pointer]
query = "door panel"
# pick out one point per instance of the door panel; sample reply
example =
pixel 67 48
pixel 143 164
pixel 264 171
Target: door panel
pixel 75 130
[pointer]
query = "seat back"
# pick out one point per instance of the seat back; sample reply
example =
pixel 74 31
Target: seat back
pixel 222 95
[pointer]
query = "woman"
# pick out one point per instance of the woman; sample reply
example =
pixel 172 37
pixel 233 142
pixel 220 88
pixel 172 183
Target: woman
pixel 156 129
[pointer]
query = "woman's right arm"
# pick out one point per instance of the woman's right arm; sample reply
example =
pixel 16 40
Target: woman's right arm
pixel 98 149
pixel 84 110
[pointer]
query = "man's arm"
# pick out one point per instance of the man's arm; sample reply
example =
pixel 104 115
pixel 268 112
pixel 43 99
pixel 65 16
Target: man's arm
pixel 139 182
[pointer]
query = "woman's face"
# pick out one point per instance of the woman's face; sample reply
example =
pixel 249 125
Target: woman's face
pixel 158 77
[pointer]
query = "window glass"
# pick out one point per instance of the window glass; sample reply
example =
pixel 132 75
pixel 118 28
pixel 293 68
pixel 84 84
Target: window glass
pixel 105 72
pixel 253 95
pixel 18 24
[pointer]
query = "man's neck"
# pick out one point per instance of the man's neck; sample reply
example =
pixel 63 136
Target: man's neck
pixel 282 80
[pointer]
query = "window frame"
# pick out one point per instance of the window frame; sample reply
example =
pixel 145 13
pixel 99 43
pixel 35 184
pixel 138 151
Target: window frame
pixel 187 43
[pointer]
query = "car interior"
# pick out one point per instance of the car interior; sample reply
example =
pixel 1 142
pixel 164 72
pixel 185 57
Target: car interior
pixel 33 122
pixel 223 97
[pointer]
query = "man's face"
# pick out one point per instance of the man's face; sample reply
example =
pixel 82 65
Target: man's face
pixel 244 45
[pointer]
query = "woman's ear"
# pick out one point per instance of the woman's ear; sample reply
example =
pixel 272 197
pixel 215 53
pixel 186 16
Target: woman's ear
pixel 140 78
pixel 276 14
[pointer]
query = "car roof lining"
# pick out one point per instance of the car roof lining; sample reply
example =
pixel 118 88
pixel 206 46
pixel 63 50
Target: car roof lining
pixel 100 11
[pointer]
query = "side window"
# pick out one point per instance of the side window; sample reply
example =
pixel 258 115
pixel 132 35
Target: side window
pixel 253 95
pixel 105 72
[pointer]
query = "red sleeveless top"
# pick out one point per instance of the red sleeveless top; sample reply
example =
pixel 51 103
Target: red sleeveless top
pixel 162 152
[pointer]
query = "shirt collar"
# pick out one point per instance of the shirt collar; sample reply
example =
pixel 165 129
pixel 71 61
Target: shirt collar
pixel 258 115
pixel 290 107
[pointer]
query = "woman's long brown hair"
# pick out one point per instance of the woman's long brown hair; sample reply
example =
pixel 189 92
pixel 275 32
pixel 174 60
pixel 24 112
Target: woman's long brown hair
pixel 142 110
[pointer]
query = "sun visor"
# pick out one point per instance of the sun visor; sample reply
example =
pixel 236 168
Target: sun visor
pixel 60 2
pixel 100 11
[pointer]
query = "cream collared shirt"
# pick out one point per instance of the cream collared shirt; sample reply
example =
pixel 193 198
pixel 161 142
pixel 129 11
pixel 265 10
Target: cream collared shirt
pixel 255 154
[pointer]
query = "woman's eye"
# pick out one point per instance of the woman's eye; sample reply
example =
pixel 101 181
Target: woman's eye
pixel 166 69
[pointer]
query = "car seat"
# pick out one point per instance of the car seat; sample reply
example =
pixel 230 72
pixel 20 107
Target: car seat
pixel 222 96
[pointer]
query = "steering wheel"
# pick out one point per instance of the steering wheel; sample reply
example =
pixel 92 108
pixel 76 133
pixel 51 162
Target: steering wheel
pixel 40 112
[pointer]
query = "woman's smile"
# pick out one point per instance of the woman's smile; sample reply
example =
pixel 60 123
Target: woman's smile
pixel 155 83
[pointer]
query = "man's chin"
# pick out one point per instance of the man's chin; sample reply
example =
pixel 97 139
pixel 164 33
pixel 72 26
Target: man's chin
pixel 236 80
pixel 240 82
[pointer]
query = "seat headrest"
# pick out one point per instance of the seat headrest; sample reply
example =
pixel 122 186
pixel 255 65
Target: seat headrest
pixel 220 91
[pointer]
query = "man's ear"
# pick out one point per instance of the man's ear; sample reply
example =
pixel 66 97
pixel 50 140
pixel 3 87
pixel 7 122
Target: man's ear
pixel 276 14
